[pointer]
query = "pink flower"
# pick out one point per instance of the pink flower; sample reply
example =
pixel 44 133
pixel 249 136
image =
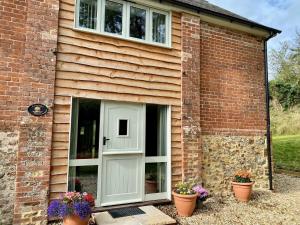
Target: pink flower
pixel 202 193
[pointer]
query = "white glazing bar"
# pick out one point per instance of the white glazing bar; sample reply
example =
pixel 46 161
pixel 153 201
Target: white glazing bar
pixel 156 159
pixel 83 162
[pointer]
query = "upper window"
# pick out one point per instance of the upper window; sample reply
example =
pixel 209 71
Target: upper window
pixel 87 14
pixel 137 25
pixel 125 20
pixel 113 17
pixel 158 27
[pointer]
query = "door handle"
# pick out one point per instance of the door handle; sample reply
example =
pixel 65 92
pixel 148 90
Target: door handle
pixel 104 140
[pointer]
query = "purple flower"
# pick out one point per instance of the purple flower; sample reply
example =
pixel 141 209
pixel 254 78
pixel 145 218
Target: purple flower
pixel 58 209
pixel 82 209
pixel 54 209
pixel 64 211
pixel 72 203
pixel 202 193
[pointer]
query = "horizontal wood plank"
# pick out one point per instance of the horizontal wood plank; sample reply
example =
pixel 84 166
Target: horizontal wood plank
pixel 138 84
pixel 114 73
pixel 112 65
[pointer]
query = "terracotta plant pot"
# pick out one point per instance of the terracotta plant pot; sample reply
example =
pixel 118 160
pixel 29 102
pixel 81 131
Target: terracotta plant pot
pixel 242 191
pixel 185 204
pixel 151 186
pixel 75 220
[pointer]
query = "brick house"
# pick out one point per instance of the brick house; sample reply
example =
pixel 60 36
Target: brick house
pixel 140 95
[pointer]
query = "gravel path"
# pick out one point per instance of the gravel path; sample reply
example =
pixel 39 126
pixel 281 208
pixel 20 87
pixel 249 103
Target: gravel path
pixel 271 208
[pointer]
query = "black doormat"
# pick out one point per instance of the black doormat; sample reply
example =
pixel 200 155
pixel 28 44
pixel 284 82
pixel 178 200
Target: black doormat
pixel 116 213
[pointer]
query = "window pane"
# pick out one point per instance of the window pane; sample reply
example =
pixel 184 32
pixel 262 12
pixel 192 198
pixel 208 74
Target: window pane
pixel 113 17
pixel 85 129
pixel 123 127
pixel 156 130
pixel 83 179
pixel 155 179
pixel 158 27
pixel 88 14
pixel 137 22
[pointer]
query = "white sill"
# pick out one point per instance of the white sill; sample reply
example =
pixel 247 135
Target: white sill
pixel 123 153
pixel 135 40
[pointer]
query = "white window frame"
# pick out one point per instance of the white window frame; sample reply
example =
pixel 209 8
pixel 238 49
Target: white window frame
pixel 168 26
pixel 147 25
pixel 76 21
pixel 126 23
pixel 102 18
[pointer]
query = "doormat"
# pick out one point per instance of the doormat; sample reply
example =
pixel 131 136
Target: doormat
pixel 116 213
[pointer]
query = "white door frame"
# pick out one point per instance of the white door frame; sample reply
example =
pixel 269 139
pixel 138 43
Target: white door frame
pixel 98 162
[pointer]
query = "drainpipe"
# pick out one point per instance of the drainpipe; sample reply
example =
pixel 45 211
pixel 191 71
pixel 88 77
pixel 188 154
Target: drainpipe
pixel 269 149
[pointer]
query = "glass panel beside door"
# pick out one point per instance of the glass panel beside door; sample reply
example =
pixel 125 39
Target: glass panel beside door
pixel 156 159
pixel 84 146
pixel 85 129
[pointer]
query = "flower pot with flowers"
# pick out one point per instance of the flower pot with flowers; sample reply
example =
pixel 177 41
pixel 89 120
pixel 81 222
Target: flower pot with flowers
pixel 202 195
pixel 185 198
pixel 242 186
pixel 73 208
pixel 151 184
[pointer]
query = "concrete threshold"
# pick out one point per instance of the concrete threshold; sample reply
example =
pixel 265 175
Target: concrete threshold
pixel 136 204
pixel 152 216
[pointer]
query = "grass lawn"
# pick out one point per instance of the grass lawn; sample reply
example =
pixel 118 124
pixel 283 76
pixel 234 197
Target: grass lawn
pixel 286 152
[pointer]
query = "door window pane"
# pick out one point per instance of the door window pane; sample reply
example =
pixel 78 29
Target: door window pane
pixel 113 17
pixel 123 127
pixel 83 179
pixel 137 23
pixel 158 27
pixel 155 177
pixel 88 14
pixel 85 129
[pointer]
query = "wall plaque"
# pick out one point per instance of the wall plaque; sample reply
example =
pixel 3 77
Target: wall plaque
pixel 37 109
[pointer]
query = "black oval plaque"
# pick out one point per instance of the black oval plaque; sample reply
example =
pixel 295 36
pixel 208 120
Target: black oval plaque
pixel 37 109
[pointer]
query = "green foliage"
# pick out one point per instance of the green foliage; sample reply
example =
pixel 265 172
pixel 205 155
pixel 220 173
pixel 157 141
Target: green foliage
pixel 285 122
pixel 285 88
pixel 242 176
pixel 286 152
pixel 285 106
pixel 185 188
pixel 242 179
pixel 287 94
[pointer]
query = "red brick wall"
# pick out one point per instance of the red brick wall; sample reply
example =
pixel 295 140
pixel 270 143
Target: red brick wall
pixel 232 82
pixel 12 42
pixel 191 162
pixel 28 36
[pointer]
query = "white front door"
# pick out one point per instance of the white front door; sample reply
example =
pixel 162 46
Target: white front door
pixel 123 144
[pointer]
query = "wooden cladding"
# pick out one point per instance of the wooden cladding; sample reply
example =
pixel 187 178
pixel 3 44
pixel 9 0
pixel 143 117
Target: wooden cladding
pixel 102 67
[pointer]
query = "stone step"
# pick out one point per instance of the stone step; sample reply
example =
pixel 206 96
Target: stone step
pixel 152 216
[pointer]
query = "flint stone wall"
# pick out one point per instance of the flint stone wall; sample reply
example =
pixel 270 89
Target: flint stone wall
pixel 8 152
pixel 224 155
